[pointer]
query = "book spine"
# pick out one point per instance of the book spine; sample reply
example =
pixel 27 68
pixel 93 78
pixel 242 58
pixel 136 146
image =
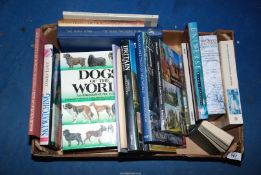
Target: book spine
pixel 131 118
pixel 188 85
pixel 119 100
pixel 98 23
pixel 212 75
pixel 230 83
pixel 149 20
pixel 46 95
pixel 197 71
pixel 56 103
pixel 159 81
pixel 36 97
pixel 143 85
pixel 106 31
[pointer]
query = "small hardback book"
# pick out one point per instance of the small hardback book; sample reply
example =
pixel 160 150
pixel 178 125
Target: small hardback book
pixel 198 78
pixel 233 116
pixel 212 75
pixel 131 97
pixel 88 100
pixel 211 138
pixel 119 100
pixel 147 80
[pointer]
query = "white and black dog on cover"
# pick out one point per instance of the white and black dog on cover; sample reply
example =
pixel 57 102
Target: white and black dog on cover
pixel 74 110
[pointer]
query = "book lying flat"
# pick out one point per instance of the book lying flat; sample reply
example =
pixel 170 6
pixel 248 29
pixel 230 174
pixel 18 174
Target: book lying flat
pixel 211 138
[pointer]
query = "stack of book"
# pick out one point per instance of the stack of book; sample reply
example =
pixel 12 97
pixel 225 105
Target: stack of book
pixel 113 83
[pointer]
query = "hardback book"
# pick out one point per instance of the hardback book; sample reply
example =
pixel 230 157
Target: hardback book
pixel 131 96
pixel 119 100
pixel 46 113
pixel 56 118
pixel 98 23
pixel 98 38
pixel 36 97
pixel 173 118
pixel 149 20
pixel 88 100
pixel 148 92
pixel 196 64
pixel 233 116
pixel 211 138
pixel 189 97
pixel 212 75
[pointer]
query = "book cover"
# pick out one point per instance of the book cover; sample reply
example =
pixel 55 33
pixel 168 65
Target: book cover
pixel 46 95
pixel 132 106
pixel 98 38
pixel 199 86
pixel 230 83
pixel 88 100
pixel 147 81
pixel 119 100
pixel 170 62
pixel 187 76
pixel 212 75
pixel 37 81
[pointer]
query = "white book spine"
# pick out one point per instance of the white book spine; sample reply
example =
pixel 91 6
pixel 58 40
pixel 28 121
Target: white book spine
pixel 188 84
pixel 212 74
pixel 46 94
pixel 230 83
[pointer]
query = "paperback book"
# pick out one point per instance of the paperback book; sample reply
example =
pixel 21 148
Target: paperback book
pixel 88 100
pixel 212 75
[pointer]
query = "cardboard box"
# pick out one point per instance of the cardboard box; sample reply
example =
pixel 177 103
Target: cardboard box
pixel 192 151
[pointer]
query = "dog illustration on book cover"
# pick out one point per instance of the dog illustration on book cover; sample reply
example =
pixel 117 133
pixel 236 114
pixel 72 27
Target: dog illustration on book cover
pixel 69 137
pixel 101 108
pixel 95 133
pixel 74 110
pixel 73 61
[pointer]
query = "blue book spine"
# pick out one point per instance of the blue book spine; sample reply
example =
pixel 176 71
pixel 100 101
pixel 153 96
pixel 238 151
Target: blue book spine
pixel 143 85
pixel 105 31
pixel 197 71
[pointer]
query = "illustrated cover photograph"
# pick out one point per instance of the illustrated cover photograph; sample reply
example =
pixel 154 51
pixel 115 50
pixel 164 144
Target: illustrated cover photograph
pixel 88 115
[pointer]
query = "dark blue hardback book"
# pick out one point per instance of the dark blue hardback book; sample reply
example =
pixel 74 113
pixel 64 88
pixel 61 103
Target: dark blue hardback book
pixel 132 106
pixel 74 39
pixel 147 53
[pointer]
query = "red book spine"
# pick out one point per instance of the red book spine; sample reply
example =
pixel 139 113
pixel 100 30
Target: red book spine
pixel 37 80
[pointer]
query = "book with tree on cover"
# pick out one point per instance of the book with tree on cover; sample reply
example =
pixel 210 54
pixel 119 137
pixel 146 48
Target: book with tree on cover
pixel 88 100
pixel 147 54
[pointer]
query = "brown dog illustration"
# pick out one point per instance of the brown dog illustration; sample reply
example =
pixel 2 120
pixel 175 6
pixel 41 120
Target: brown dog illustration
pixel 75 110
pixel 96 133
pixel 101 108
pixel 71 61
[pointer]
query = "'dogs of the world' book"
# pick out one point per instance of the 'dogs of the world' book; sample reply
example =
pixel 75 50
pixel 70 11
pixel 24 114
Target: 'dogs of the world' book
pixel 88 117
